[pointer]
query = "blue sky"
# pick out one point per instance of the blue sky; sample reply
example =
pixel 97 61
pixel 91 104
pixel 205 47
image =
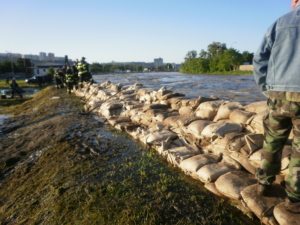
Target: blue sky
pixel 133 30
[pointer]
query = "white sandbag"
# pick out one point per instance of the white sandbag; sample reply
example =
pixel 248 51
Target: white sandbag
pixel 284 217
pixel 225 109
pixel 220 129
pixel 211 172
pixel 260 205
pixel 231 184
pixel 159 136
pixel 256 107
pixel 193 164
pixel 196 127
pixel 208 110
pixel 240 116
pixel 176 155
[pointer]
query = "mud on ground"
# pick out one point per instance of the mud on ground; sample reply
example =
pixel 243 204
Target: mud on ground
pixel 60 166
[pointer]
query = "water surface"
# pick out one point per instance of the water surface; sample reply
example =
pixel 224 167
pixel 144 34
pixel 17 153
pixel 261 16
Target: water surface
pixel 234 88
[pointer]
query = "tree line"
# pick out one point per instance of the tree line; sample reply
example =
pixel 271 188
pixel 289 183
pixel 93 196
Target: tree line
pixel 18 66
pixel 217 58
pixel 132 67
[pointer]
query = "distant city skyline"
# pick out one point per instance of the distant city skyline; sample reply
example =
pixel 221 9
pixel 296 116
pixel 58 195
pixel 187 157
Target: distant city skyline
pixel 134 30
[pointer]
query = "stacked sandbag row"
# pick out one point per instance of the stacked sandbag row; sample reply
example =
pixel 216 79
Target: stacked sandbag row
pixel 215 141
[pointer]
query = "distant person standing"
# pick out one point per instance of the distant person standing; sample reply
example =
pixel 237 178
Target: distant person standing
pixel 15 89
pixel 83 71
pixel 58 79
pixel 70 80
pixel 277 73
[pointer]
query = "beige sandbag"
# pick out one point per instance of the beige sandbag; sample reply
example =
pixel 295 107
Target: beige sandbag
pixel 220 129
pixel 256 158
pixel 115 120
pixel 231 184
pixel 285 217
pixel 196 127
pixel 155 107
pixel 254 142
pixel 228 160
pixel 256 123
pixel 211 172
pixel 186 110
pixel 171 121
pixel 185 120
pixel 126 126
pixel 159 136
pixel 260 205
pixel 176 155
pixel 193 164
pixel 208 110
pixel 212 188
pixel 257 107
pixel 244 161
pixel 240 116
pixel 225 109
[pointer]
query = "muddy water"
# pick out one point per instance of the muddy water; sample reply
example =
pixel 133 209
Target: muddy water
pixel 235 88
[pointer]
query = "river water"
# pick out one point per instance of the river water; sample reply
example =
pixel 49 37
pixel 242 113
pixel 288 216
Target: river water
pixel 234 88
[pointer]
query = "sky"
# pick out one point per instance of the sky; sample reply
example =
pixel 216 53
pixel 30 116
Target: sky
pixel 133 30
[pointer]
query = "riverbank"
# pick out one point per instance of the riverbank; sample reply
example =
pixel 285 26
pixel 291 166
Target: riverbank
pixel 230 73
pixel 61 166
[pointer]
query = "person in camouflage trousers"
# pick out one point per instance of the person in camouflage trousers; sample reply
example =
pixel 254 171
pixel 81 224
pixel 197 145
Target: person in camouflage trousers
pixel 283 116
pixel 277 73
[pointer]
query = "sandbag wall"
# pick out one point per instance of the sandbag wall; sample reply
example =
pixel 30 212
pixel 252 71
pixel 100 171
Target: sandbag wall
pixel 214 141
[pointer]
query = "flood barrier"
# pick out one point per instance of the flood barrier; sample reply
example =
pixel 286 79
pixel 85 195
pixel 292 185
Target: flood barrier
pixel 214 141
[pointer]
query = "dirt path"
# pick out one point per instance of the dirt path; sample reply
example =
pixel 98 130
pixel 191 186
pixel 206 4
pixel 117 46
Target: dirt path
pixel 59 166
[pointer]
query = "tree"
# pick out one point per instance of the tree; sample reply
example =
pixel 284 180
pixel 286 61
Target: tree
pixel 230 60
pixel 191 55
pixel 247 57
pixel 215 49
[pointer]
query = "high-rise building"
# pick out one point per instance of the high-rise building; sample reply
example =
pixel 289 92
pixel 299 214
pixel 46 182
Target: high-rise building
pixel 43 56
pixel 158 62
pixel 51 56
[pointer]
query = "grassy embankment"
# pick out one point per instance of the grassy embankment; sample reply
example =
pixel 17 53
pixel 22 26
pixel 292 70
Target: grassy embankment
pixel 233 73
pixel 50 175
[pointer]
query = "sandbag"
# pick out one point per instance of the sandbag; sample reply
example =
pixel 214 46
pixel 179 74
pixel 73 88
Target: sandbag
pixel 212 188
pixel 244 161
pixel 260 205
pixel 231 184
pixel 186 110
pixel 225 109
pixel 256 123
pixel 193 164
pixel 285 217
pixel 155 107
pixel 254 142
pixel 211 172
pixel 176 155
pixel 196 127
pixel 256 158
pixel 240 116
pixel 115 120
pixel 159 136
pixel 220 129
pixel 256 107
pixel 208 110
pixel 228 160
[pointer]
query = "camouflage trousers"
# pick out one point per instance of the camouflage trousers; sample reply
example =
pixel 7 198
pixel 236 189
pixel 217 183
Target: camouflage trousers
pixel 283 116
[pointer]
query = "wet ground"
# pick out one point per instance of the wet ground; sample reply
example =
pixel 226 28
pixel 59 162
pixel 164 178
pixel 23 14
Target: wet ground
pixel 235 88
pixel 60 166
